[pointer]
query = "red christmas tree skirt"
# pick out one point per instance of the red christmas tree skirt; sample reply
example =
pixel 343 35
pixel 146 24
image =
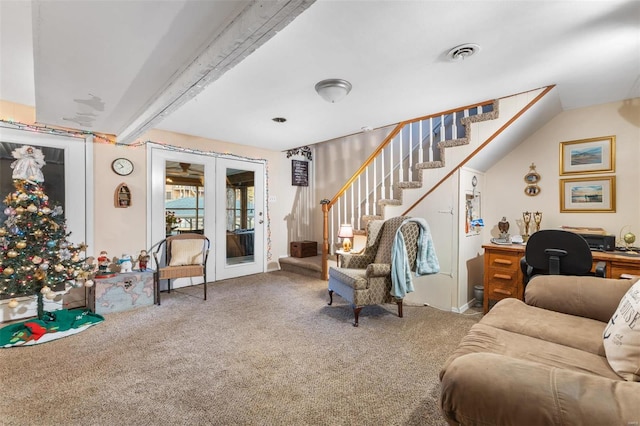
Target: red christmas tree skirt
pixel 54 325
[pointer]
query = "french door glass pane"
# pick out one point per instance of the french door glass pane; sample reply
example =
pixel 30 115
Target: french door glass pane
pixel 240 216
pixel 184 198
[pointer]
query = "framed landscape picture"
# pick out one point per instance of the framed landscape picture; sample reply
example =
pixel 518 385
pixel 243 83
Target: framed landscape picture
pixel 588 195
pixel 596 155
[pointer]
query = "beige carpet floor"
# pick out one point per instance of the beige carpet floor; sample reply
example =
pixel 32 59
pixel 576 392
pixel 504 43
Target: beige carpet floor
pixel 263 350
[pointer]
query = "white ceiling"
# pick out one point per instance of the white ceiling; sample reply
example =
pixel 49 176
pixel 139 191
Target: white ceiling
pixel 223 69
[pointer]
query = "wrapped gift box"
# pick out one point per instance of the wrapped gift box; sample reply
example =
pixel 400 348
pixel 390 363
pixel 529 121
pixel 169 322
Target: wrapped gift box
pixel 121 292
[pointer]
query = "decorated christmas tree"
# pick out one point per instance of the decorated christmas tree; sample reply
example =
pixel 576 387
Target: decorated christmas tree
pixel 36 257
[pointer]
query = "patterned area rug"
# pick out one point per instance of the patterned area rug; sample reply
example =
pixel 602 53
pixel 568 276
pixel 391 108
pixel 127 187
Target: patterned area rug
pixel 54 325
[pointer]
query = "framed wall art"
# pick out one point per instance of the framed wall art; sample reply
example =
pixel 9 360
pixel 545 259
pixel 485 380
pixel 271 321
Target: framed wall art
pixel 588 195
pixel 595 155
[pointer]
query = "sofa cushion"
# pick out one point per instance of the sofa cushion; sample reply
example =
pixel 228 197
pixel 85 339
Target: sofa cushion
pixel 490 389
pixel 354 278
pixel 489 339
pixel 568 330
pixel 622 336
pixel 582 296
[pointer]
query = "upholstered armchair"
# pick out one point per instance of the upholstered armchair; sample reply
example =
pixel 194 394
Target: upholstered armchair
pixel 365 278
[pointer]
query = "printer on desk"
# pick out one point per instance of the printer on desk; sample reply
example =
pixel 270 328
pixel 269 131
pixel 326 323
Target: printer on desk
pixel 597 238
pixel 600 242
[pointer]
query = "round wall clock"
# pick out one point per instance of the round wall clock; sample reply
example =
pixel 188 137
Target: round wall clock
pixel 122 166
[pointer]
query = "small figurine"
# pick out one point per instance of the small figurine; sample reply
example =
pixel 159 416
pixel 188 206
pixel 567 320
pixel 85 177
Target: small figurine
pixel 503 227
pixel 103 262
pixel 29 161
pixel 143 259
pixel 126 263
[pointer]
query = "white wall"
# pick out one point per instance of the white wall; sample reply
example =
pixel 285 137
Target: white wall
pixel 505 181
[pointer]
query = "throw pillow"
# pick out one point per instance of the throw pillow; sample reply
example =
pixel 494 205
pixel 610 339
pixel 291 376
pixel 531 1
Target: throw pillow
pixel 621 338
pixel 186 252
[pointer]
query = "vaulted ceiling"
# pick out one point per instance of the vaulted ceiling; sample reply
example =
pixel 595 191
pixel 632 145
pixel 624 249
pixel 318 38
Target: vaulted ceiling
pixel 223 69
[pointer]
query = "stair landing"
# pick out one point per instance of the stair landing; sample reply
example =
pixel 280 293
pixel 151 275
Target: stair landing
pixel 310 266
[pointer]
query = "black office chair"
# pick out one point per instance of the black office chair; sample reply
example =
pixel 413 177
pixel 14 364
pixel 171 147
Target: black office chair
pixel 558 252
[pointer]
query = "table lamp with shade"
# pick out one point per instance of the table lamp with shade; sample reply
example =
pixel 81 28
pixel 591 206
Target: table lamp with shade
pixel 346 233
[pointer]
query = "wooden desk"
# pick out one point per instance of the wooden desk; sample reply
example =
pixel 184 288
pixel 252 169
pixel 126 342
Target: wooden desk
pixel 503 277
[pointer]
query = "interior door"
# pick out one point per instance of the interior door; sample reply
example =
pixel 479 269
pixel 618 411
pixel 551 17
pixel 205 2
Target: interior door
pixel 240 218
pixel 183 200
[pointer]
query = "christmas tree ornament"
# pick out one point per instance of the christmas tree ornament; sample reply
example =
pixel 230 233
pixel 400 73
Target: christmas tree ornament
pixel 8 271
pixel 88 283
pixel 12 253
pixel 38 233
pixel 13 303
pixel 46 210
pixel 32 208
pixel 21 244
pixel 45 289
pixel 29 161
pixel 58 268
pixel 19 210
pixel 36 260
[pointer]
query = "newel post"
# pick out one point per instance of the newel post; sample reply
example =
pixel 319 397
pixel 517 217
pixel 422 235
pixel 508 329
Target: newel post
pixel 325 239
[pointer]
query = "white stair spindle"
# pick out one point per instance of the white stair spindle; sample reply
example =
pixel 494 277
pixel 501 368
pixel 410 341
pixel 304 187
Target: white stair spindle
pixel 382 176
pixel 366 192
pixel 375 186
pixel 359 215
pixel 420 139
pixel 430 139
pixel 454 129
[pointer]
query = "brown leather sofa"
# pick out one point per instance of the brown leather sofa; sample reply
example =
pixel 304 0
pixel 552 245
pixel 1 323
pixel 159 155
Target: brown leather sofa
pixel 542 362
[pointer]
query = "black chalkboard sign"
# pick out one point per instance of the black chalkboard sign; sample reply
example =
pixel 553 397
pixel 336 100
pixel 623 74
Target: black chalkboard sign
pixel 299 173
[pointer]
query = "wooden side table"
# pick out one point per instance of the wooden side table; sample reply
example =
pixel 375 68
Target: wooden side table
pixel 338 254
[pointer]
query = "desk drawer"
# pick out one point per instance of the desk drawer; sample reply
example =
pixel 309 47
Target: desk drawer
pixel 502 283
pixel 504 260
pixel 617 270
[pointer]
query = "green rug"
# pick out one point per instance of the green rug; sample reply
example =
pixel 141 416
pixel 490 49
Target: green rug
pixel 54 325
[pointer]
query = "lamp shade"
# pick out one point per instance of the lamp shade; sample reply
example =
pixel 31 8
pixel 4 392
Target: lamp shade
pixel 346 231
pixel 333 90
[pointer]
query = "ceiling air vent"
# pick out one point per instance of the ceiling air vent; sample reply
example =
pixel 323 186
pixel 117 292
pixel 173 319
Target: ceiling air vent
pixel 463 51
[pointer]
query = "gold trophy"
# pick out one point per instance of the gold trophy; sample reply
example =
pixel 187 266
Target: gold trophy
pixel 526 217
pixel 537 218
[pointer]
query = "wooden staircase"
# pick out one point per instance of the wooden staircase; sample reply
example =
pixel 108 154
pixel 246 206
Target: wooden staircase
pixel 398 164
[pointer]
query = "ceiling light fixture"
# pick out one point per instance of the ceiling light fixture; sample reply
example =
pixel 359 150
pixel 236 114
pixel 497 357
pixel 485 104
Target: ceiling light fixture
pixel 279 119
pixel 333 90
pixel 463 51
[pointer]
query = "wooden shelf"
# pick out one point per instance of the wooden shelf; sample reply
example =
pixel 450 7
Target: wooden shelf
pixel 122 196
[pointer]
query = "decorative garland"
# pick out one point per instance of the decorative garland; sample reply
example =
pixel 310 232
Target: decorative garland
pixel 104 139
pixel 305 151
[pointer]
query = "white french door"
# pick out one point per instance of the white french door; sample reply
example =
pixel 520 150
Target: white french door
pixel 241 218
pixel 230 210
pixel 191 200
